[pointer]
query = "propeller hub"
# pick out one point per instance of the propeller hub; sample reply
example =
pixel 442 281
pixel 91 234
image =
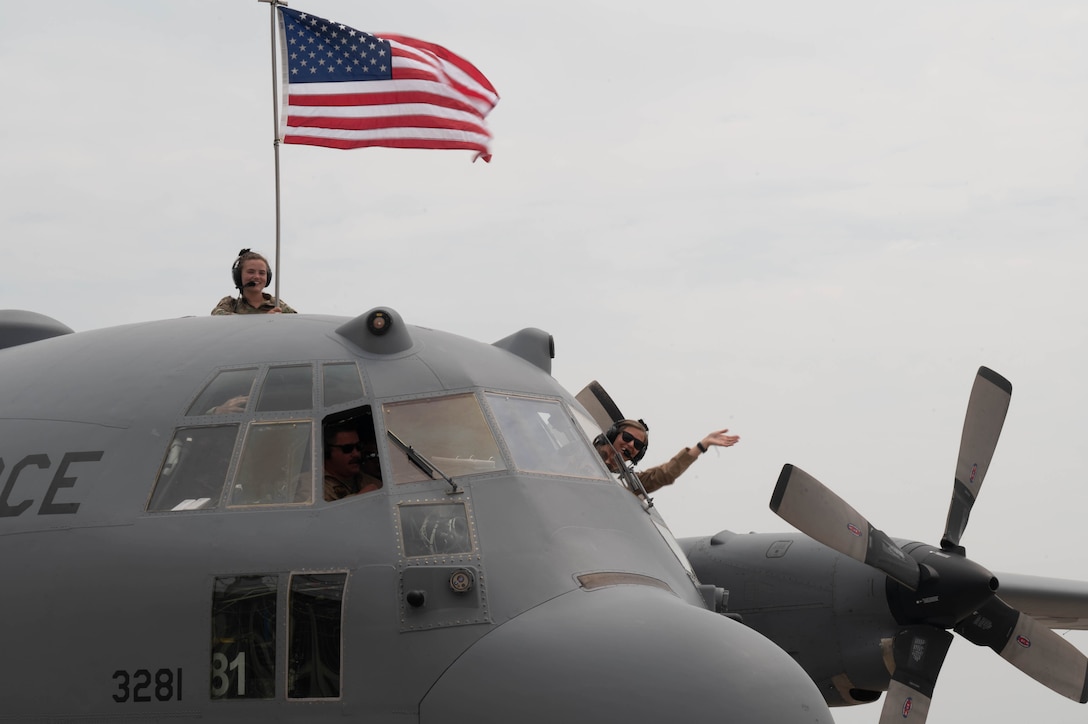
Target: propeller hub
pixel 950 588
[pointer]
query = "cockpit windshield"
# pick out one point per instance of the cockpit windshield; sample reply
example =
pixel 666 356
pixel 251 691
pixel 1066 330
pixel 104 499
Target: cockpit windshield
pixel 542 436
pixel 259 435
pixel 451 432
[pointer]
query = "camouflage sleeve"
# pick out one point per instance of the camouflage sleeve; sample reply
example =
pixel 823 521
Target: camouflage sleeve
pixel 286 308
pixel 659 476
pixel 225 306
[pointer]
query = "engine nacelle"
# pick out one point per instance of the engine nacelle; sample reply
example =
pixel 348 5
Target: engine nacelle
pixel 829 612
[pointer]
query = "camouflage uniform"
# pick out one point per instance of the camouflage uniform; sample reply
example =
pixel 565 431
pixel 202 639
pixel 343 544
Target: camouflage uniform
pixel 659 476
pixel 239 305
pixel 335 488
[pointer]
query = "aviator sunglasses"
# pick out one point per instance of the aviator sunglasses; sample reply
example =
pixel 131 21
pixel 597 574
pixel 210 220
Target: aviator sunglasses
pixel 351 447
pixel 628 437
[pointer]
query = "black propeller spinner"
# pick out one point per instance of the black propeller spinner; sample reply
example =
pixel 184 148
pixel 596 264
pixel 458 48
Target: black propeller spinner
pixel 933 589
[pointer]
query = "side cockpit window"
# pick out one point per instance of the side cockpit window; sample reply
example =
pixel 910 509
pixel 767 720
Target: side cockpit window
pixel 195 469
pixel 350 461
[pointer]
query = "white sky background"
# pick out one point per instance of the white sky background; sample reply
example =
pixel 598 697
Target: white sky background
pixel 809 222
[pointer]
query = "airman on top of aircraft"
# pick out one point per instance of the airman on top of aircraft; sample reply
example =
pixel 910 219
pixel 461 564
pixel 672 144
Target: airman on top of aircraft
pixel 251 274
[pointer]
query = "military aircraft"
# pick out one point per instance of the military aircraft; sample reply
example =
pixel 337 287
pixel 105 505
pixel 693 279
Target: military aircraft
pixel 169 554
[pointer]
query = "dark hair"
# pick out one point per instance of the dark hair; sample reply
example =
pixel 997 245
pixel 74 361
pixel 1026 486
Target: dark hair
pixel 331 431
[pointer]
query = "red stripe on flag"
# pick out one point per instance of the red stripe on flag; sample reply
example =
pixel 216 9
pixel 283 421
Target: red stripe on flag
pixel 367 124
pixel 388 142
pixel 382 98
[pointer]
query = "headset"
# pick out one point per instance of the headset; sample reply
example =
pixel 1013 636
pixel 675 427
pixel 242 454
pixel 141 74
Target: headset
pixel 236 270
pixel 613 432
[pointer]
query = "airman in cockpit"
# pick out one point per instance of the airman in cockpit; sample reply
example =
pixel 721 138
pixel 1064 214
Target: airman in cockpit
pixel 344 471
pixel 631 438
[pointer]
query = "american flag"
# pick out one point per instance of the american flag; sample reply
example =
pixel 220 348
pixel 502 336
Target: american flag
pixel 348 89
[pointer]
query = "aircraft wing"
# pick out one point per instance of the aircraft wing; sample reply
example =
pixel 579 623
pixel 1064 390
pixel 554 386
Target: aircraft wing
pixel 1055 602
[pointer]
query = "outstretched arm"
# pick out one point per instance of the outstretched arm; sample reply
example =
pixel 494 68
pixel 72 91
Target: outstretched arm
pixel 719 438
pixel 659 476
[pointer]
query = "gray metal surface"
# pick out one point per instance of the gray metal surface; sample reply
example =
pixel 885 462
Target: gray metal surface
pixel 551 594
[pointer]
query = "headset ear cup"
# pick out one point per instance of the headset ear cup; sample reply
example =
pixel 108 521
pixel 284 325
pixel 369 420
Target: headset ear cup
pixel 612 433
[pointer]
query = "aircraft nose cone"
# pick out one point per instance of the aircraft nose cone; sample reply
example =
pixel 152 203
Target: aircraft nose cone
pixel 624 654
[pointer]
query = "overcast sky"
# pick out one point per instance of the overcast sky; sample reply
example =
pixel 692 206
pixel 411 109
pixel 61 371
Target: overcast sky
pixel 810 222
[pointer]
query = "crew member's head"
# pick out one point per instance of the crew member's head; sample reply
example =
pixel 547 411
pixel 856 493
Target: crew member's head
pixel 251 270
pixel 630 438
pixel 343 454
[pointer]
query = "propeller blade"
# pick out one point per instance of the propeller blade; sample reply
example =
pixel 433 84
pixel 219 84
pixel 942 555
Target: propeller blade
pixel 986 409
pixel 813 509
pixel 1029 646
pixel 918 653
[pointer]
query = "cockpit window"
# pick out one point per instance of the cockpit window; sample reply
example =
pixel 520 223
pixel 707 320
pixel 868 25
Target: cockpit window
pixel 450 432
pixel 195 468
pixel 313 659
pixel 275 466
pixel 268 449
pixel 542 437
pixel 340 383
pixel 227 393
pixel 287 389
pixel 587 424
pixel 244 637
pixel 434 529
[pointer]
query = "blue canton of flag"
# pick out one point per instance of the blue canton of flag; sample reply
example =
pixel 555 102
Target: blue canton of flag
pixel 319 51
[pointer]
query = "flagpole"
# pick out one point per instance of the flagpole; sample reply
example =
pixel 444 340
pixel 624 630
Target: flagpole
pixel 273 4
